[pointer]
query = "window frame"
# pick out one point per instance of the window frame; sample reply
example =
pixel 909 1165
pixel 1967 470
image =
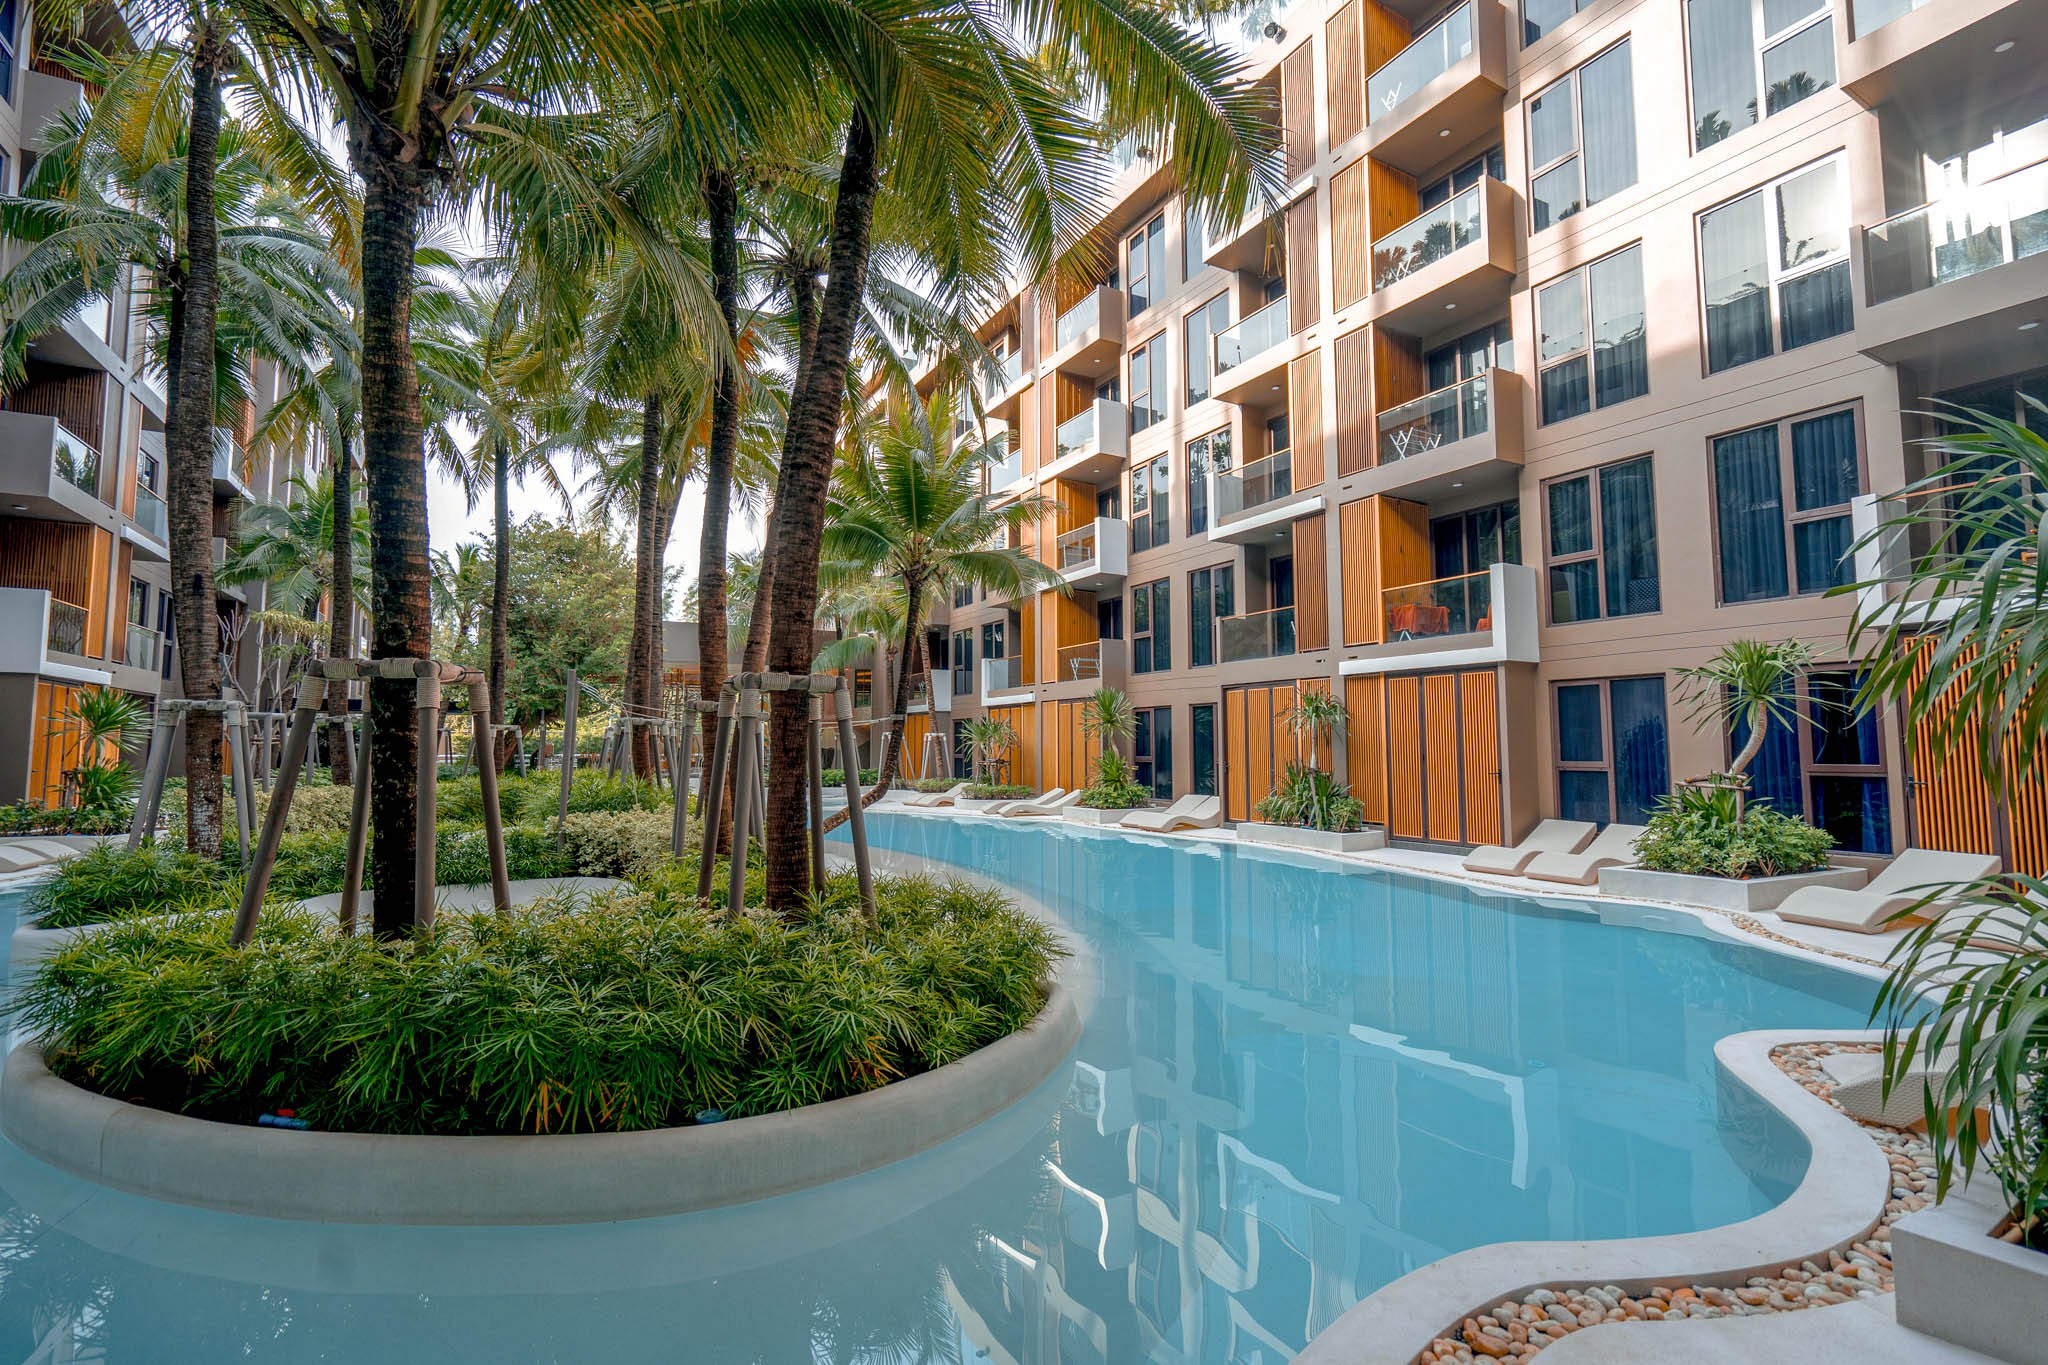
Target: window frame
pixel 1145 756
pixel 1138 252
pixel 1760 43
pixel 1199 784
pixel 1776 278
pixel 1607 764
pixel 1227 570
pixel 1522 19
pixel 962 661
pixel 1210 467
pixel 1158 520
pixel 1590 350
pixel 1153 591
pixel 1578 151
pixel 1789 517
pixel 1190 352
pixel 1155 399
pixel 1596 521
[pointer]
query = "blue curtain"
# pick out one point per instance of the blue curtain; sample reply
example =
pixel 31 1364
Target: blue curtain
pixel 1750 503
pixel 1774 778
pixel 1824 474
pixel 1578 724
pixel 1628 533
pixel 1642 754
pixel 1737 283
pixel 1621 351
pixel 1816 306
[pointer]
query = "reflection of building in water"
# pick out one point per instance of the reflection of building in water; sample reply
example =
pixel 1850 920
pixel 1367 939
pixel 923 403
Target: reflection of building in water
pixel 1288 1058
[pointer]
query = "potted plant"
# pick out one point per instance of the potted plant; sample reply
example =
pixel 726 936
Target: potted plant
pixel 110 723
pixel 1309 808
pixel 989 739
pixel 1707 844
pixel 1107 718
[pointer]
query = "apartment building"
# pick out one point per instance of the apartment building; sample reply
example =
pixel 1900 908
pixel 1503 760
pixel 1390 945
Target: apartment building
pixel 1584 340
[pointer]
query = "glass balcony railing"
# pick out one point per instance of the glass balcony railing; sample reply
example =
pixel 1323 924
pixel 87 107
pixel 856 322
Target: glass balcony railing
pixel 1077 321
pixel 1259 635
pixel 150 514
pixel 1001 375
pixel 67 628
pixel 1076 434
pixel 1440 48
pixel 1076 549
pixel 1081 663
pixel 1868 16
pixel 1002 675
pixel 1442 606
pixel 1988 225
pixel 1427 238
pixel 1261 331
pixel 920 691
pixel 77 463
pixel 1255 485
pixel 1442 418
pixel 1006 471
pixel 145 647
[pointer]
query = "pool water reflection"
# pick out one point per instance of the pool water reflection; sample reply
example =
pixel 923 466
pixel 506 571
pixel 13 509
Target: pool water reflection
pixel 1295 1085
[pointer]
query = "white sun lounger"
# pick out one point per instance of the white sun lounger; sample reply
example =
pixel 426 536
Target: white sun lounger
pixel 1190 812
pixel 1552 836
pixel 927 800
pixel 1902 885
pixel 1005 807
pixel 1045 805
pixel 1611 847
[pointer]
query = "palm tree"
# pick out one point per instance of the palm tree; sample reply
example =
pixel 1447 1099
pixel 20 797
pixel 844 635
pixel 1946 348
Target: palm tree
pixel 1107 717
pixel 1748 683
pixel 287 546
pixel 914 512
pixel 464 583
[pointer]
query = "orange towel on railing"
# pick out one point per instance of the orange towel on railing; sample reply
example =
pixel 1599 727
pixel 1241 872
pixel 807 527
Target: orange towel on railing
pixel 1416 619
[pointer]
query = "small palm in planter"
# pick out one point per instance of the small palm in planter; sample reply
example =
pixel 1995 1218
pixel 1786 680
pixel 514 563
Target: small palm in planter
pixel 106 717
pixel 1107 718
pixel 1307 796
pixel 988 739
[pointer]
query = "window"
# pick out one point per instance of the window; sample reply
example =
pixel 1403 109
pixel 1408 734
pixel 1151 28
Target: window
pixel 992 641
pixel 963 753
pixel 138 602
pixel 1145 264
pixel 1828 768
pixel 1786 48
pixel 1202 728
pixel 1438 191
pixel 1474 541
pixel 1150 524
pixel 10 42
pixel 149 471
pixel 1775 264
pixel 963 595
pixel 1152 750
pixel 1148 384
pixel 1470 356
pixel 1212 595
pixel 1205 322
pixel 1766 548
pixel 1603 543
pixel 963 663
pixel 1151 635
pixel 1207 455
pixel 1541 16
pixel 1591 349
pixel 1613 755
pixel 1582 139
pixel 1194 243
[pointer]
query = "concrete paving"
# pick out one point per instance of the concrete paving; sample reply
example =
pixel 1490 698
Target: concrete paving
pixel 1866 1331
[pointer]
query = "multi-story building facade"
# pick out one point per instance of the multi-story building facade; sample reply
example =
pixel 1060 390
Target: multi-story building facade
pixel 1585 341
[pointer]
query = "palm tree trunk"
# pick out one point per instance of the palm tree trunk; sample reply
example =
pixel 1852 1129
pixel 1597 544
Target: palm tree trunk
pixel 341 612
pixel 803 297
pixel 646 582
pixel 808 443
pixel 394 463
pixel 188 450
pixel 721 198
pixel 501 593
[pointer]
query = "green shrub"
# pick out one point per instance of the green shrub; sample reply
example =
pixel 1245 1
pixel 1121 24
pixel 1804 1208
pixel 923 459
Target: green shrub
pixel 996 791
pixel 629 1012
pixel 1113 788
pixel 109 883
pixel 933 784
pixel 32 817
pixel 1312 799
pixel 836 777
pixel 538 798
pixel 312 808
pixel 628 844
pixel 1693 836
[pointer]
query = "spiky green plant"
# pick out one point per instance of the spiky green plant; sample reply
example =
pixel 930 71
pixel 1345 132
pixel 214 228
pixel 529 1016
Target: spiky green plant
pixel 1750 683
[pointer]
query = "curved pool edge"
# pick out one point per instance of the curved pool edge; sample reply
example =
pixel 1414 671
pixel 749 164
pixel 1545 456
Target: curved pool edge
pixel 418 1180
pixel 1838 1200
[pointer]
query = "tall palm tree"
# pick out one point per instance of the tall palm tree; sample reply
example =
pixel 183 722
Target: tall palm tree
pixel 911 509
pixel 463 583
pixel 286 545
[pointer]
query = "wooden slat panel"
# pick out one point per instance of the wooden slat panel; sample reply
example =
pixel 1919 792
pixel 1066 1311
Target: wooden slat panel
pixel 2027 817
pixel 1404 758
pixel 1236 755
pixel 1351 363
pixel 1345 53
pixel 1385 34
pixel 1398 373
pixel 77 398
pixel 1404 554
pixel 1350 241
pixel 1358 535
pixel 99 568
pixel 1027 634
pixel 1298 110
pixel 1023 755
pixel 1391 199
pixel 1074 397
pixel 1311 584
pixel 1305 413
pixel 1952 808
pixel 1479 723
pixel 1304 287
pixel 1365 744
pixel 1441 766
pixel 1258 725
pixel 1313 749
pixel 55 556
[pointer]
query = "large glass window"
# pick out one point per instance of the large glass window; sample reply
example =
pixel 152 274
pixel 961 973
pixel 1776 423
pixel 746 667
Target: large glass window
pixel 1148 384
pixel 1207 455
pixel 963 663
pixel 1150 522
pixel 1785 48
pixel 1769 546
pixel 1471 541
pixel 1205 322
pixel 1613 750
pixel 1775 267
pixel 1212 595
pixel 1202 734
pixel 1152 750
pixel 1194 242
pixel 1603 543
pixel 1582 139
pixel 1151 627
pixel 1592 350
pixel 1829 767
pixel 10 46
pixel 1145 264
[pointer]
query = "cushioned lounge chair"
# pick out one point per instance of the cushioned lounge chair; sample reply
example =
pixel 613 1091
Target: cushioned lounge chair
pixel 1552 836
pixel 927 800
pixel 1611 847
pixel 1046 805
pixel 1859 1087
pixel 1190 812
pixel 1005 807
pixel 1900 887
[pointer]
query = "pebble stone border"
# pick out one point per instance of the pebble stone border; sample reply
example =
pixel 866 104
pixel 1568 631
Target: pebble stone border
pixel 1517 1330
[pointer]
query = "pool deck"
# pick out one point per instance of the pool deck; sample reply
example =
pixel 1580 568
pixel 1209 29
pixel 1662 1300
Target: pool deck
pixel 1866 1331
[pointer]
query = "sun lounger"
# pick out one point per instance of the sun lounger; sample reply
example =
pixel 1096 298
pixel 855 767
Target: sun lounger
pixel 1900 887
pixel 1005 807
pixel 1859 1087
pixel 1190 812
pixel 927 800
pixel 1046 805
pixel 1611 847
pixel 1552 836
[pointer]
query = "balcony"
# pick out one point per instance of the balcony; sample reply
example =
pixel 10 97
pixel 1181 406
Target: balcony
pixel 53 473
pixel 145 647
pixel 1450 77
pixel 66 631
pixel 1080 669
pixel 1258 635
pixel 1005 475
pixel 151 533
pixel 1090 446
pixel 1454 258
pixel 220 560
pixel 1471 619
pixel 43 636
pixel 1089 337
pixel 1095 557
pixel 228 463
pixel 1250 501
pixel 1002 385
pixel 1459 436
pixel 1957 277
pixel 1936 55
pixel 1003 675
pixel 1251 358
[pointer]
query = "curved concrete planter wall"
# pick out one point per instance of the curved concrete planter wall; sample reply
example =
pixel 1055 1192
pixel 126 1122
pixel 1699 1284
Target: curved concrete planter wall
pixel 1741 896
pixel 582 1178
pixel 1321 841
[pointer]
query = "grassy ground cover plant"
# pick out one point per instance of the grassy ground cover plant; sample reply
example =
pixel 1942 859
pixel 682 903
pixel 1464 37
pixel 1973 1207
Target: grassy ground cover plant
pixel 632 1011
pixel 996 791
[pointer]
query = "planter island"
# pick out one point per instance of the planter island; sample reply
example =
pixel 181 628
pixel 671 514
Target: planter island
pixel 1322 841
pixel 1742 895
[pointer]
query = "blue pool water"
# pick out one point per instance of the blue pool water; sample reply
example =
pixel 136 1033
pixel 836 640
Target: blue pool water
pixel 1294 1086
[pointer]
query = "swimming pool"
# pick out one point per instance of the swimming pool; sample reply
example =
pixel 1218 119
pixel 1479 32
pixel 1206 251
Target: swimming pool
pixel 1295 1085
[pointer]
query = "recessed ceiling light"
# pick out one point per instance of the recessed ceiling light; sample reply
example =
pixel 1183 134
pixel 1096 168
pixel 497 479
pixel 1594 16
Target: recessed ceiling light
pixel 21 507
pixel 2005 46
pixel 1274 387
pixel 1449 307
pixel 1443 132
pixel 2028 326
pixel 1457 485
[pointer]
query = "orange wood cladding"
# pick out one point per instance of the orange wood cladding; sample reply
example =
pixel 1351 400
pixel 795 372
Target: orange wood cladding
pixel 1047 399
pixel 1404 757
pixel 1391 199
pixel 1311 585
pixel 1298 110
pixel 1024 439
pixel 1074 397
pixel 54 742
pixel 1397 372
pixel 1042 302
pixel 1385 544
pixel 1386 33
pixel 1350 240
pixel 1440 741
pixel 1479 713
pixel 916 726
pixel 1070 751
pixel 1344 40
pixel 1258 743
pixel 1352 364
pixel 55 556
pixel 1365 745
pixel 1953 807
pixel 1305 413
pixel 1027 631
pixel 1304 294
pixel 1021 757
pixel 77 398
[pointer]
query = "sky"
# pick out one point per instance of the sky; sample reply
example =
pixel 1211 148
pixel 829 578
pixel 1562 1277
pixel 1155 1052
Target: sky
pixel 450 520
